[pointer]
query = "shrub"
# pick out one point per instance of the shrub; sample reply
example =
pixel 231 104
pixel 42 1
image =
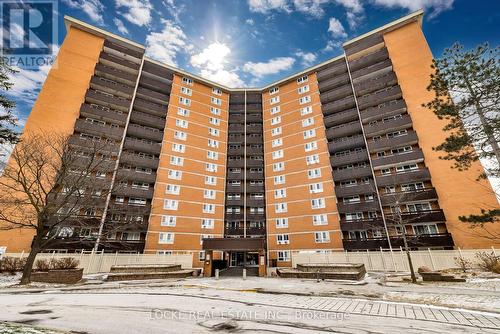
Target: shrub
pixel 67 263
pixel 12 264
pixel 488 261
pixel 56 264
pixel 496 268
pixel 463 263
pixel 42 265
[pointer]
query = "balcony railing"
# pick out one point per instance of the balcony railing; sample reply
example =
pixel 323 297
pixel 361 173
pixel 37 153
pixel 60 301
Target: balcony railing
pixel 135 130
pixel 142 146
pixel 358 207
pixel 443 240
pixel 385 126
pixel 408 196
pixel 386 143
pixel 341 117
pixel 138 160
pixel 375 83
pixel 104 114
pixel 409 157
pixel 332 71
pixel 115 74
pixel 410 176
pixel 146 119
pixel 352 158
pixel 82 125
pixel 118 62
pixel 383 110
pixel 111 86
pixel 148 94
pixel 113 102
pixel 336 94
pixel 133 175
pixel 150 107
pixel 366 188
pixel 381 96
pixel 337 106
pixel 348 143
pixel 334 82
pixel 345 130
pixel 417 217
pixel 367 61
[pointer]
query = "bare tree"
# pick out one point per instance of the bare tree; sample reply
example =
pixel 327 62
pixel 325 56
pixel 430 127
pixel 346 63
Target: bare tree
pixel 49 184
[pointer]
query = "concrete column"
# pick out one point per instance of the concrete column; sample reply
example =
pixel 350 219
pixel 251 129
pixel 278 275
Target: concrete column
pixel 262 263
pixel 207 264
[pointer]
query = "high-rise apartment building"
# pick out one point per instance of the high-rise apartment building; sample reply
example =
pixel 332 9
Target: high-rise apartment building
pixel 322 160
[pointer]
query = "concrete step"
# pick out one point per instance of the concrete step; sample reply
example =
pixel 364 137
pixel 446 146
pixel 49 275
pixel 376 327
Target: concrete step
pixel 347 275
pixel 152 275
pixel 145 268
pixel 238 272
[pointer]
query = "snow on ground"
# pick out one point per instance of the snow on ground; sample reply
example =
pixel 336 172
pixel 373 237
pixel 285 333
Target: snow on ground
pixel 10 328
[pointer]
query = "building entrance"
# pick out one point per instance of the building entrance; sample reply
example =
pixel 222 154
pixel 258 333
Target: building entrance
pixel 243 259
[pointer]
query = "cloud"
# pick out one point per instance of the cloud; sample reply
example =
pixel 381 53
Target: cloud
pixel 249 22
pixel 213 61
pixel 164 45
pixel 265 6
pixel 273 66
pixel 437 6
pixel 121 27
pixel 331 45
pixel 93 8
pixel 174 9
pixel 138 11
pixel 27 83
pixel 336 28
pixel 308 58
pixel 310 7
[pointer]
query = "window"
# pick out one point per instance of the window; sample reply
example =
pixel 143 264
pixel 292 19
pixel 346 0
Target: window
pixel 282 239
pixel 168 220
pixel 137 201
pixel 425 229
pixel 372 215
pixel 320 219
pixel 216 91
pixel 180 135
pixel 277 154
pixel 182 112
pixel 119 199
pixel 302 79
pixel 207 223
pixel 275 110
pixel 284 256
pixel 277 142
pixel 316 188
pixel 213 132
pixel 369 198
pixel 201 255
pixel 274 90
pixel 215 111
pixel 416 207
pixel 275 120
pixel 208 208
pixel 397 133
pixel 311 146
pixel 312 159
pixel 186 91
pixel 184 101
pixel 318 203
pixel 385 171
pixel 209 194
pixel 177 161
pixel 306 110
pixel 280 193
pixel 276 131
pixel 309 133
pixel 172 189
pixel 353 216
pixel 180 148
pixel 303 89
pixel 174 174
pixel 314 173
pixel 212 155
pixel 305 99
pixel 213 143
pixel 400 150
pixel 279 166
pixel 166 238
pixel 322 237
pixel 170 204
pixel 214 121
pixel 279 179
pixel 307 122
pixel 187 81
pixel 352 199
pixel 348 183
pixel 377 233
pixel 211 167
pixel 406 168
pixel 274 100
pixel 181 123
pixel 412 186
pixel 281 222
pixel 216 101
pixel 211 180
pixel 280 208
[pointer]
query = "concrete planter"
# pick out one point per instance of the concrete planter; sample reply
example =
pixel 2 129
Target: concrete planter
pixel 62 276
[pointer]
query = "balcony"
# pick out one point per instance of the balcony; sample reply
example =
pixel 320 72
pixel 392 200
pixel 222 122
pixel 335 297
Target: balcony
pixel 374 70
pixel 112 87
pixel 351 173
pixel 146 119
pixel 254 128
pixel 361 224
pixel 134 192
pixel 254 163
pixel 138 131
pixel 230 188
pixel 357 207
pixel 151 95
pixel 374 129
pixel 389 108
pixel 254 117
pixel 254 140
pixel 344 130
pixel 94 146
pixel 236 163
pixel 233 215
pixel 408 196
pixel 341 117
pixel 138 160
pixel 236 128
pixel 419 175
pixel 255 150
pixel 254 98
pixel 255 176
pixel 414 156
pixel 234 176
pixel 375 83
pixel 98 130
pixel 142 146
pixel 364 188
pixel 338 106
pixel 255 201
pixel 103 114
pixel 254 108
pixel 124 174
pixel 350 142
pixel 116 75
pixel 234 201
pixel 336 94
pixel 126 208
pixel 162 86
pixel 443 240
pixel 150 107
pixel 239 231
pixel 86 163
pixel 122 49
pixel 156 70
pixel 368 60
pixel 363 44
pixel 383 144
pixel 119 63
pixel 417 217
pixel 235 139
pixel 333 70
pixel 255 188
pixel 236 118
pixel 354 157
pixel 379 97
pixel 255 216
pixel 107 100
pixel 334 82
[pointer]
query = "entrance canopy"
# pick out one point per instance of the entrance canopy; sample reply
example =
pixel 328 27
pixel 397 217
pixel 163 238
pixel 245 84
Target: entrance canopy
pixel 234 244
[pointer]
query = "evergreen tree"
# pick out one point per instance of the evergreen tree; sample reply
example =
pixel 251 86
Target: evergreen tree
pixel 7 118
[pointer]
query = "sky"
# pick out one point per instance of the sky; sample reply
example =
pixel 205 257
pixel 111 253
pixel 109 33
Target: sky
pixel 255 42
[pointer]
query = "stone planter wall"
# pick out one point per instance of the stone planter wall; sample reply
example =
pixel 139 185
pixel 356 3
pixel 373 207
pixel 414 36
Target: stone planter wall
pixel 63 276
